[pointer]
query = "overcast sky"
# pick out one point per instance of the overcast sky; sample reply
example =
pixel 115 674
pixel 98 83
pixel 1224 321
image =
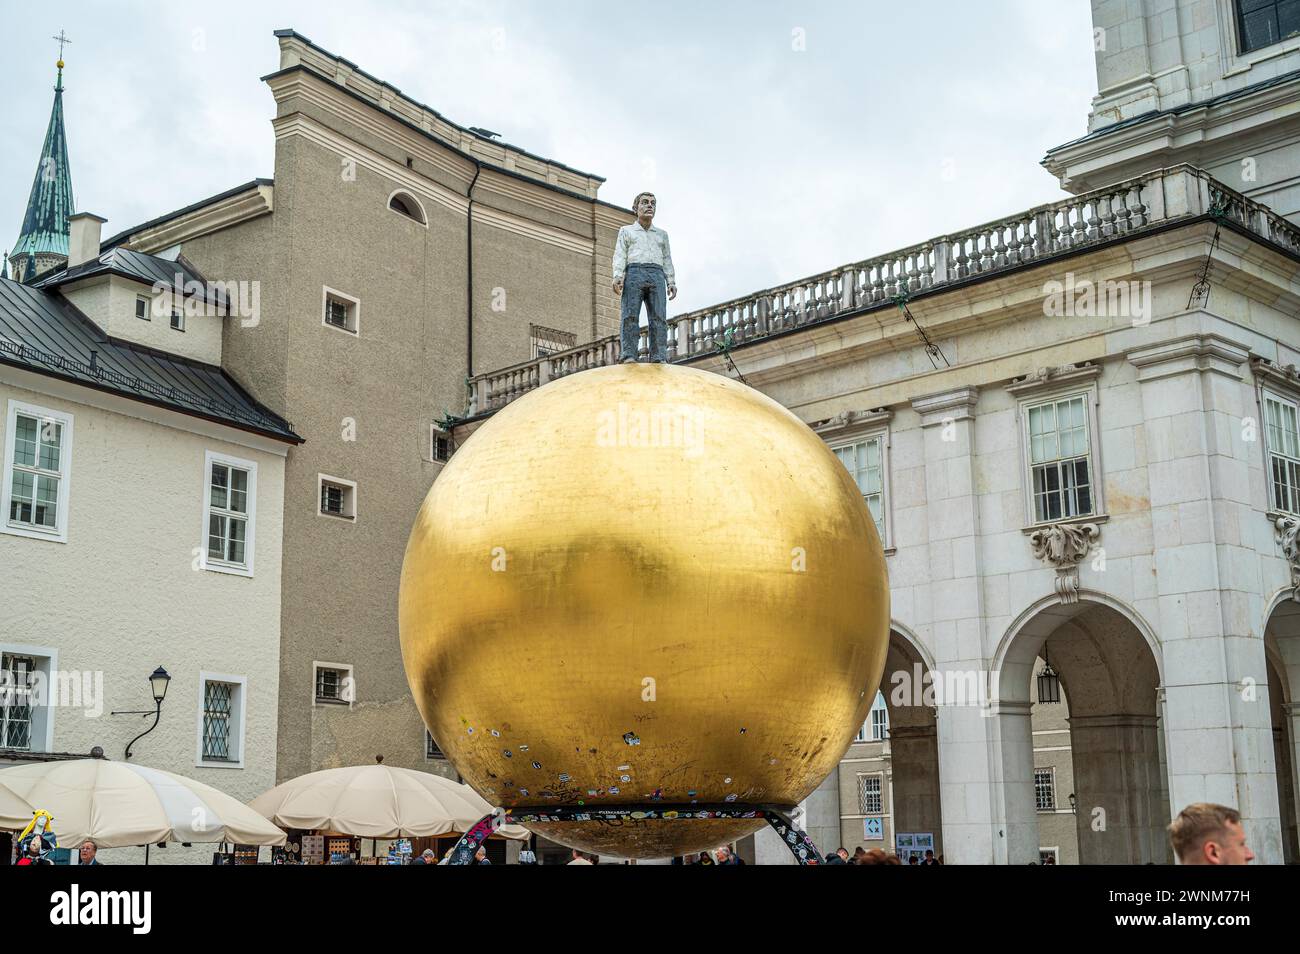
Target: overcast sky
pixel 782 138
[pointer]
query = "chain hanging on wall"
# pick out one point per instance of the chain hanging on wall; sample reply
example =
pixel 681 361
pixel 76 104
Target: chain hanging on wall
pixel 1200 296
pixel 724 347
pixel 932 350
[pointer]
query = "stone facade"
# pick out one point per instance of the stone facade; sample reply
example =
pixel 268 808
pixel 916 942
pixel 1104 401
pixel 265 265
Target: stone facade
pixel 1179 81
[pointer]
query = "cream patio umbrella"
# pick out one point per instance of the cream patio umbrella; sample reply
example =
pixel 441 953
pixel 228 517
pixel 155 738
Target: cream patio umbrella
pixel 15 813
pixel 377 801
pixel 120 804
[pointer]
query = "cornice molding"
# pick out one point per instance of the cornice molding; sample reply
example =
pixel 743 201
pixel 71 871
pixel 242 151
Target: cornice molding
pixel 252 203
pixel 957 404
pixel 1198 352
pixel 852 423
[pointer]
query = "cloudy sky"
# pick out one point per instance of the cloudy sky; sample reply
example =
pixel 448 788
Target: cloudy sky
pixel 782 138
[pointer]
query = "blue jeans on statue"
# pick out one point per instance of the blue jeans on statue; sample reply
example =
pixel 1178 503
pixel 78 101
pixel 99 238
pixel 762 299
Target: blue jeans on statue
pixel 644 283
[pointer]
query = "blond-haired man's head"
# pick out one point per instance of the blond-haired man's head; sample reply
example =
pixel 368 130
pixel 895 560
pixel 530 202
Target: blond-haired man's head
pixel 1209 834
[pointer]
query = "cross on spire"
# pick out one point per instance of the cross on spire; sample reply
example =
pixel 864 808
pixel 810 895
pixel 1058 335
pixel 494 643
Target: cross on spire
pixel 62 40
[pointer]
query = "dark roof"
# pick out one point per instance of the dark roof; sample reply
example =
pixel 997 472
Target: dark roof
pixel 121 237
pixel 41 331
pixel 137 266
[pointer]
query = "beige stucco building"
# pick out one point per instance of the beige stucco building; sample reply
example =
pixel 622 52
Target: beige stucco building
pixel 397 254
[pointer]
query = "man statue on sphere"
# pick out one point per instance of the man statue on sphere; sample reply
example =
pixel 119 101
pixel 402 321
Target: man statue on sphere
pixel 643 272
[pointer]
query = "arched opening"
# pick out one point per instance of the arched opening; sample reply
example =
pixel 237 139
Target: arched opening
pixel 1282 652
pixel 912 750
pixel 403 203
pixel 1110 675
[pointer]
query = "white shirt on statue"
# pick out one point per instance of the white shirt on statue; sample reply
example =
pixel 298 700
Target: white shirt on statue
pixel 638 246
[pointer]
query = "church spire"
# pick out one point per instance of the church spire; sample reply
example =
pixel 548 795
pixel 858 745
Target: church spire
pixel 43 242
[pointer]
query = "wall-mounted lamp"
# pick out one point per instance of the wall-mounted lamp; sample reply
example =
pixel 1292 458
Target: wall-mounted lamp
pixel 158 681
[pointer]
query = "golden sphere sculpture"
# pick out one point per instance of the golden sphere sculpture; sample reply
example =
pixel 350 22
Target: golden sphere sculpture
pixel 644 585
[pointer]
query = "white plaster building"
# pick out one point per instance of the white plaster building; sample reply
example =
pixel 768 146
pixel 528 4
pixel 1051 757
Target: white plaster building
pixel 141 527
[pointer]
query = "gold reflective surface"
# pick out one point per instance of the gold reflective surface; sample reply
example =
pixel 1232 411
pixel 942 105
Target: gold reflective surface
pixel 638 584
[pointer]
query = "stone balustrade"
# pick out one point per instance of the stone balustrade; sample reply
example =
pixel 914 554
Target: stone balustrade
pixel 1056 228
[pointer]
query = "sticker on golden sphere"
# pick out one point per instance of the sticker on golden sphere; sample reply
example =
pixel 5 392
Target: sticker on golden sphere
pixel 644 585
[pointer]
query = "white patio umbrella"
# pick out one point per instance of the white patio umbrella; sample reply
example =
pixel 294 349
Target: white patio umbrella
pixel 377 801
pixel 15 813
pixel 119 804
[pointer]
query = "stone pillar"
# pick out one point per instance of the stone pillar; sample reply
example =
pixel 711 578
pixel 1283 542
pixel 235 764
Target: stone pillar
pixel 970 778
pixel 1203 502
pixel 1288 766
pixel 1116 781
pixel 914 784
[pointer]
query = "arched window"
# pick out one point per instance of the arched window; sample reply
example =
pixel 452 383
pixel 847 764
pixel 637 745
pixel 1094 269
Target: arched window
pixel 403 203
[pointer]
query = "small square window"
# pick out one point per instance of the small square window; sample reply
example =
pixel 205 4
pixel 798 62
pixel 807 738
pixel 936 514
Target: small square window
pixel 178 320
pixel 142 307
pixel 440 445
pixel 334 684
pixel 342 311
pixel 338 497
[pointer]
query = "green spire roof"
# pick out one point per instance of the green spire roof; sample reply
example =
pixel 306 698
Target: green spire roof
pixel 45 226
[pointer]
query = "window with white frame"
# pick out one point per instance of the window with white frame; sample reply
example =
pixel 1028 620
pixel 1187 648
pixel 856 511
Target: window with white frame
pixel 26 713
pixel 879 724
pixel 870 800
pixel 142 307
pixel 38 460
pixel 403 203
pixel 338 497
pixel 1060 459
pixel 178 319
pixel 342 312
pixel 1045 789
pixel 18 674
pixel 1045 853
pixel 229 514
pixel 1282 440
pixel 334 684
pixel 876 728
pixel 221 720
pixel 865 461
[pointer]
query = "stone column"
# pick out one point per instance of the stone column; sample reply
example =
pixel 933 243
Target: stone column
pixel 970 762
pixel 1116 767
pixel 1210 588
pixel 1288 744
pixel 914 783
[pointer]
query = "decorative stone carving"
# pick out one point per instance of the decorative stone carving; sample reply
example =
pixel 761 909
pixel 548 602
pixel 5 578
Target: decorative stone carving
pixel 1286 530
pixel 1060 376
pixel 1063 546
